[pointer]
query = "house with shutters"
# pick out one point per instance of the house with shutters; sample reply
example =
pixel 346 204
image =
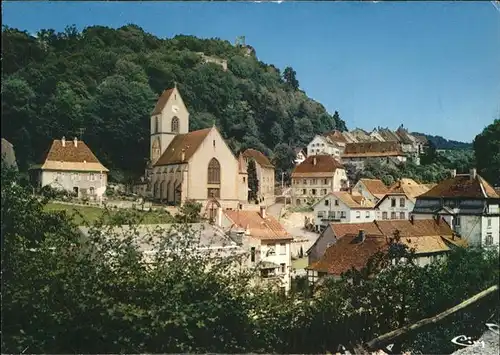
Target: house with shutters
pixel 197 165
pixel 468 203
pixel 264 239
pixel 342 207
pixel 265 174
pixel 70 165
pixel 343 246
pixel 399 200
pixel 315 177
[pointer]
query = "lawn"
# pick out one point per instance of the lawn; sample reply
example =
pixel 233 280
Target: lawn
pixel 300 263
pixel 91 214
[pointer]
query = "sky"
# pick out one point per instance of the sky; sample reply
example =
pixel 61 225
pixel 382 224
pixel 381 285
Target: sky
pixel 432 66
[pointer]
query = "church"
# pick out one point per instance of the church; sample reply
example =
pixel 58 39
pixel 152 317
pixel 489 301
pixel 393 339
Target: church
pixel 196 165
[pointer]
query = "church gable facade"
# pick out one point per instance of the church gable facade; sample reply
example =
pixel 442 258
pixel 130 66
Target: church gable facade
pixel 196 165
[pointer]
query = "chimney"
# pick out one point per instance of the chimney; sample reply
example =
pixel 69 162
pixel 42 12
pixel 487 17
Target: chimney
pixel 314 160
pixel 183 154
pixel 473 174
pixel 263 211
pixel 361 236
pixel 63 141
pixel 75 141
pixel 453 173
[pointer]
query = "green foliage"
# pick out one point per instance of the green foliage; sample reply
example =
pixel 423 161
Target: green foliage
pixel 443 143
pixel 189 212
pixel 106 81
pixel 430 155
pixel 253 182
pixel 487 151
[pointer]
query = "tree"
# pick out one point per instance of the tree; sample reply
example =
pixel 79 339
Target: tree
pixel 430 155
pixel 487 152
pixel 189 212
pixel 290 77
pixel 253 182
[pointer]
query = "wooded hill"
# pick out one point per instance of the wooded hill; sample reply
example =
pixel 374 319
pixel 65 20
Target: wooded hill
pixel 104 82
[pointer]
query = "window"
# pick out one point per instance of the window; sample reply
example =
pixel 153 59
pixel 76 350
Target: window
pixel 91 177
pixel 489 223
pixel 393 215
pixel 304 182
pixel 367 214
pixel 252 254
pixel 456 221
pixel 213 143
pixel 402 215
pixel 489 239
pixel 213 193
pixel 321 214
pixel 393 202
pixel 304 191
pixel 384 215
pixel 342 214
pixel 327 201
pixel 175 125
pixel 336 202
pixel 358 214
pixel 157 124
pixel 325 181
pixel 402 201
pixel 282 268
pixel 244 179
pixel 92 191
pixel 331 214
pixel 282 249
pixel 297 201
pixel 313 191
pixel 271 249
pixel 214 172
pixel 313 182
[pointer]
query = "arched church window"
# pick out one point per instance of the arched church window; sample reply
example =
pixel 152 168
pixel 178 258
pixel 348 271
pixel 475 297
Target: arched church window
pixel 175 125
pixel 214 172
pixel 157 124
pixel 156 149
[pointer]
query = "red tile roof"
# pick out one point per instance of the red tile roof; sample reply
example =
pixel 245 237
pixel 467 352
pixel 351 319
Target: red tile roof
pixel 189 143
pixel 335 136
pixel 317 164
pixel 375 186
pixel 259 158
pixel 261 228
pixel 162 101
pixel 372 149
pixel 462 186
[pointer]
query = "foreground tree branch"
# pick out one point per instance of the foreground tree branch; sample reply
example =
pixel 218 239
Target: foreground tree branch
pixel 385 339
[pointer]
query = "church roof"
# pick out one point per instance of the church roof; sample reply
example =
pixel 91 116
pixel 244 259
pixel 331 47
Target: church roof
pixel 162 101
pixel 188 142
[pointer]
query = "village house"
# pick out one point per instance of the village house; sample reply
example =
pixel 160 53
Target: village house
pixel 399 201
pixel 300 156
pixel 330 143
pixel 371 189
pixel 196 165
pixel 71 166
pixel 342 207
pixel 468 203
pixel 343 246
pixel 266 241
pixel 265 174
pixel 315 177
pixel 358 153
pixel 8 154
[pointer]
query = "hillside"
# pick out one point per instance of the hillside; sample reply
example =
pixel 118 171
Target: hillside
pixel 443 143
pixel 104 82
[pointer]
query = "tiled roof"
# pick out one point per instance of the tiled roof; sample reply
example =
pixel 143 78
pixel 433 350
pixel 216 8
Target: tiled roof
pixel 335 136
pixel 417 228
pixel 404 136
pixel 317 164
pixel 70 157
pixel 388 135
pixel 189 142
pixel 242 167
pixel 409 187
pixel 262 228
pixel 375 186
pixel 162 101
pixel 342 229
pixel 372 149
pixel 462 186
pixel 352 201
pixel 260 158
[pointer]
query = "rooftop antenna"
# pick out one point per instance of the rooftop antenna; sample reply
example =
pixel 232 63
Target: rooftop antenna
pixel 80 132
